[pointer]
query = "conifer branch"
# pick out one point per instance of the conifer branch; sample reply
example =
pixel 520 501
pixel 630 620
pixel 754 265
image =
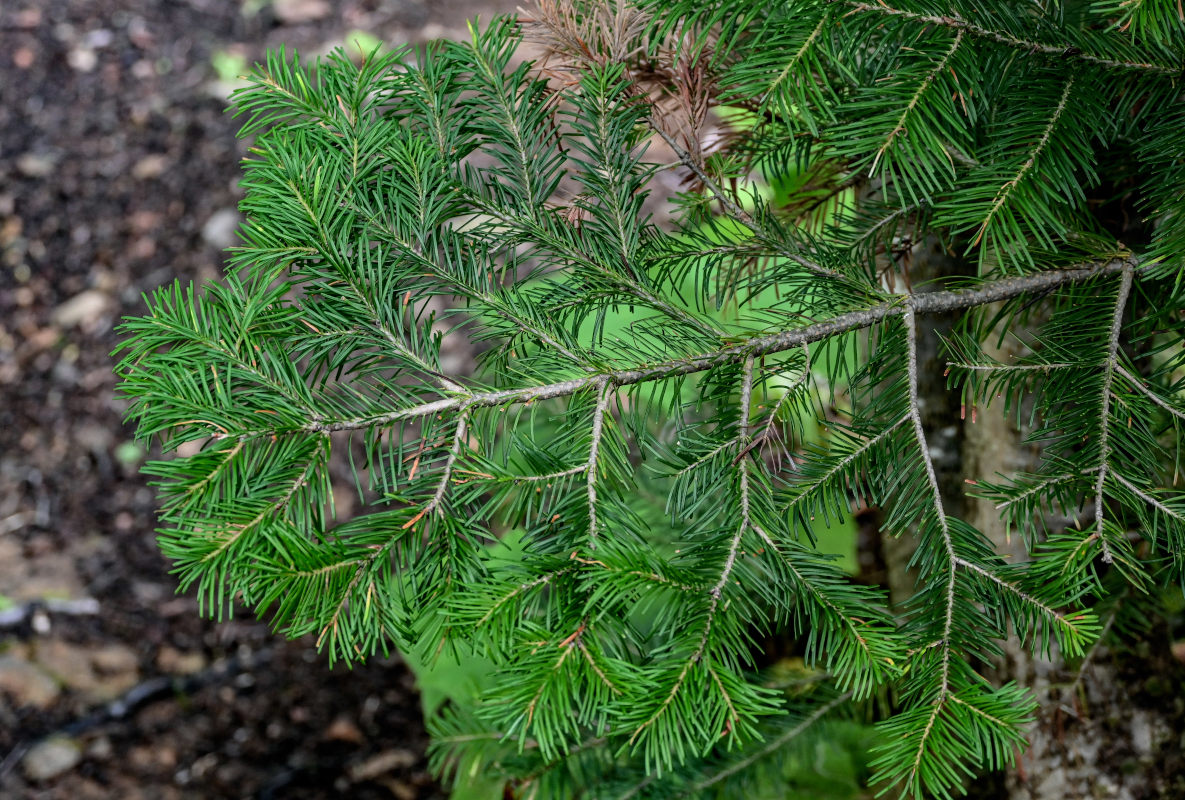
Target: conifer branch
pixel 649 576
pixel 273 507
pixel 1125 286
pixel 733 716
pixel 1037 488
pixel 788 70
pixel 1011 367
pixel 443 175
pixel 900 127
pixel 359 292
pixel 323 571
pixel 1147 498
pixel 768 433
pixel 1141 387
pixel 551 475
pixel 598 426
pixel 871 231
pixel 248 365
pixel 227 457
pixel 434 505
pixel 542 580
pixel 771 747
pixel 928 302
pixel 706 457
pixel 740 214
pixel 596 668
pixel 978 711
pixel 565 651
pixel 1053 51
pixel 729 561
pixel 742 439
pixel 626 284
pixel 1007 189
pixel 944 692
pixel 839 466
pixel 379 552
pixel 473 292
pixel 1015 590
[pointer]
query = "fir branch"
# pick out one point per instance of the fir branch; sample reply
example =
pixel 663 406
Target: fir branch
pixel 273 507
pixel 954 22
pixel 648 576
pixel 626 284
pixel 839 466
pixel 741 215
pixel 565 651
pixel 824 599
pixel 742 439
pixel 1037 488
pixel 382 551
pixel 944 691
pixel 248 365
pixel 769 748
pixel 194 488
pixel 729 561
pixel 915 416
pixel 1125 286
pixel 1046 610
pixel 598 426
pixel 796 58
pixel 1010 367
pixel 767 432
pixel 463 177
pixel 328 252
pixel 475 293
pixel 900 127
pixel 542 580
pixel 929 302
pixel 550 476
pixel 434 505
pixel 707 457
pixel 1147 498
pixel 1141 387
pixel 870 233
pixel 1007 189
pixel 978 711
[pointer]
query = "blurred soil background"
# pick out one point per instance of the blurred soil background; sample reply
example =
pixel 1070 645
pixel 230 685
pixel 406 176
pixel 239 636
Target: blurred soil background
pixel 118 173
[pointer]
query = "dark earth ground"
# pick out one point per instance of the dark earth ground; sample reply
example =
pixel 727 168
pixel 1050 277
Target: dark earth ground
pixel 118 171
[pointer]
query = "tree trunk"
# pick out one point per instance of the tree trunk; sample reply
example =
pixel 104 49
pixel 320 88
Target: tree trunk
pixel 1114 728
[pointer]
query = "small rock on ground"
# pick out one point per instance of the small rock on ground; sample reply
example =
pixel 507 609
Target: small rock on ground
pixel 381 764
pixel 219 230
pixel 50 758
pixel 81 309
pixel 295 12
pixel 99 673
pixel 27 684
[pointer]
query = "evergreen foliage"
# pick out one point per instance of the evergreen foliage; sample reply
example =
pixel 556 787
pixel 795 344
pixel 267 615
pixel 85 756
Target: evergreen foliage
pixel 622 499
